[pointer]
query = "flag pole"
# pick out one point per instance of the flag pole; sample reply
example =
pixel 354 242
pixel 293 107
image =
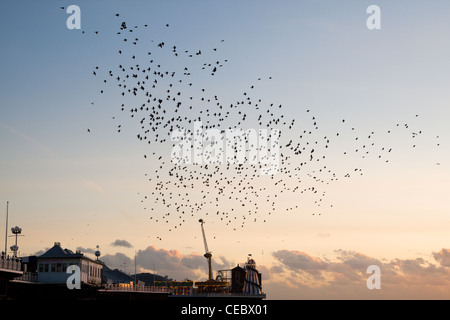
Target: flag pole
pixel 6 231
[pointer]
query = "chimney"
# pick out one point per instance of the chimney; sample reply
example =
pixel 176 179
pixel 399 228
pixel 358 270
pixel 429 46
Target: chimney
pixel 57 244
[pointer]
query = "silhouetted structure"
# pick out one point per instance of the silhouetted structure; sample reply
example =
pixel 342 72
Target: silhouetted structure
pixel 237 279
pixel 53 264
pixel 252 283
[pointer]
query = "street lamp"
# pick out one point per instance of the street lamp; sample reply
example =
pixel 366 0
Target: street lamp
pixel 16 232
pixel 97 252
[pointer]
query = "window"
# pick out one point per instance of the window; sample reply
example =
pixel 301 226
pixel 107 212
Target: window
pixel 64 267
pixel 53 267
pixel 41 267
pixel 45 267
pixel 58 267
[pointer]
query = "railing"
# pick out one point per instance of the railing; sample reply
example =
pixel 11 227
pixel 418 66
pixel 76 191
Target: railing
pixel 129 288
pixel 10 263
pixel 228 294
pixel 27 277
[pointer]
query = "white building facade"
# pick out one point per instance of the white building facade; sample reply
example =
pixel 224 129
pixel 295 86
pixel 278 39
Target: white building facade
pixel 52 266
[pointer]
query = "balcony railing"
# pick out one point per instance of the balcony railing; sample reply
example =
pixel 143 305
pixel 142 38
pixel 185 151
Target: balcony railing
pixel 228 294
pixel 129 288
pixel 27 277
pixel 10 263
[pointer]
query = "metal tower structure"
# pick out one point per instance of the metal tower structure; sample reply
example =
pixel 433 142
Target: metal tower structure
pixel 207 254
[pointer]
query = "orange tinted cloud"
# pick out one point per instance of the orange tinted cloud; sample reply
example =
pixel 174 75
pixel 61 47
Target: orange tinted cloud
pixel 345 277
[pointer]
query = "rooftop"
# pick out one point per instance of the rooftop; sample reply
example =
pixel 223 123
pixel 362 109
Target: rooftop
pixel 58 252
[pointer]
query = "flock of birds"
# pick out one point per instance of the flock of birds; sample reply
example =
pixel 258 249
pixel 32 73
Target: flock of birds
pixel 164 88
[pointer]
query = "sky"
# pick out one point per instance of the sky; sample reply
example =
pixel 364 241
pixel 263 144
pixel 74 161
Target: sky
pixel 378 195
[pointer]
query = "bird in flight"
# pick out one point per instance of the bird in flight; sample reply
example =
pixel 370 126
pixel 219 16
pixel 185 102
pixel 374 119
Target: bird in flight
pixel 178 88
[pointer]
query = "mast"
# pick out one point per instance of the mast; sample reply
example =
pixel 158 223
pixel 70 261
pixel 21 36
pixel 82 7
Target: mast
pixel 135 275
pixel 6 232
pixel 207 254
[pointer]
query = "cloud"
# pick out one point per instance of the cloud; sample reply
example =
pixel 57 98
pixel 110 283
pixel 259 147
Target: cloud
pixel 171 263
pixel 93 186
pixel 276 269
pixel 443 257
pixel 220 263
pixel 193 261
pixel 323 235
pixel 356 260
pixel 308 277
pixel 267 272
pixel 122 243
pixel 118 261
pixel 300 275
pixel 179 266
pixel 86 250
pixel 296 260
pixel 37 144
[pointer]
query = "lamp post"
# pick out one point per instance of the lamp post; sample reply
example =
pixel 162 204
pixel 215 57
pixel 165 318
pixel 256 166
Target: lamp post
pixel 97 252
pixel 16 232
pixel 135 275
pixel 6 231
